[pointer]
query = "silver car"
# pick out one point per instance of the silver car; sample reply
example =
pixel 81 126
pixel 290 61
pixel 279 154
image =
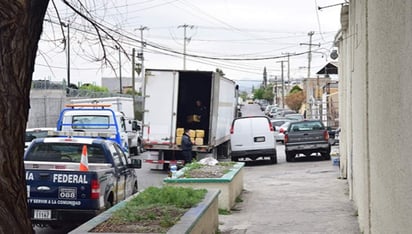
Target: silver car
pixel 279 124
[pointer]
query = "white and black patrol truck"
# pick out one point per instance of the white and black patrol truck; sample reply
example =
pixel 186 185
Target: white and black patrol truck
pixel 71 179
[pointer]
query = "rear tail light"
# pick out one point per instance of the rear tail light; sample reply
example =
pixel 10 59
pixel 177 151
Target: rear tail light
pixel 232 130
pixel 271 127
pixel 95 190
pixel 285 140
pixel 326 135
pixel 281 130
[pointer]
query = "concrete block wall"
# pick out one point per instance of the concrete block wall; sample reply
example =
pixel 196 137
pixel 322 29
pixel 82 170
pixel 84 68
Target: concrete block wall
pixel 45 106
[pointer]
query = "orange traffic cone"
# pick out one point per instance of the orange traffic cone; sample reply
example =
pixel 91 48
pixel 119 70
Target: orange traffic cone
pixel 84 164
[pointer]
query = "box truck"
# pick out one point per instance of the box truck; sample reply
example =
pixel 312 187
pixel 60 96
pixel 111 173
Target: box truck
pixel 170 98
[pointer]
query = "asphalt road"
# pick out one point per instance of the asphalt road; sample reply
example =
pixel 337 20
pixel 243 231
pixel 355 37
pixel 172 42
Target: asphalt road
pixel 298 197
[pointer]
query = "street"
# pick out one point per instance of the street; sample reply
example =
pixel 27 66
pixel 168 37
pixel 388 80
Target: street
pixel 272 184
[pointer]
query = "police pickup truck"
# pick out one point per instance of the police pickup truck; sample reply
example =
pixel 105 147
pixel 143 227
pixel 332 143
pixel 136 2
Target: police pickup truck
pixel 306 137
pixel 72 179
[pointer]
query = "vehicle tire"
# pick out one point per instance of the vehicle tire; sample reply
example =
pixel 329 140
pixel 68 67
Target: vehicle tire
pixel 109 202
pixel 135 188
pixel 290 156
pixel 133 151
pixel 273 160
pixel 325 155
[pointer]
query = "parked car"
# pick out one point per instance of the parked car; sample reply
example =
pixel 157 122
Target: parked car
pixel 268 109
pixel 33 133
pixel 274 111
pixel 253 137
pixel 296 116
pixel 280 125
pixel 337 135
pixel 307 137
pixel 263 104
pixel 283 113
pixel 333 136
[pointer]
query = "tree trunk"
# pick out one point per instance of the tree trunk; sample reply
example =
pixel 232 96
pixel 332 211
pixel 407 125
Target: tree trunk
pixel 21 23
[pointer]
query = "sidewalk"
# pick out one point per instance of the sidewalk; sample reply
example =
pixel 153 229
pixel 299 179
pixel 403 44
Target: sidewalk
pixel 298 197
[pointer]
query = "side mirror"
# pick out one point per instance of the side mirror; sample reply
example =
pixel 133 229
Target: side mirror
pixel 136 164
pixel 135 126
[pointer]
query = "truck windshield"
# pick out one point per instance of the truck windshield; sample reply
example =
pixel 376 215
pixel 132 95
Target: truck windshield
pixel 91 122
pixel 306 126
pixel 63 152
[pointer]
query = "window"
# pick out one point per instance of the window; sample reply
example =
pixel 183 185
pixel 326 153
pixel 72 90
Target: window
pixel 90 122
pixel 64 152
pixel 116 158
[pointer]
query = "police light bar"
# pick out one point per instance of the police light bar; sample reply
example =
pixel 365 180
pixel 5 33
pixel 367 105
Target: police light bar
pixel 102 105
pixel 81 134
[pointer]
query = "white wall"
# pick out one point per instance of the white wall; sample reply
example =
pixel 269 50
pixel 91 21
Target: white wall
pixel 376 59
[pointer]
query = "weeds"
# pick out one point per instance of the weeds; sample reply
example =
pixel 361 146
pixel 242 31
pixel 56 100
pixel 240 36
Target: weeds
pixel 155 209
pixel 224 212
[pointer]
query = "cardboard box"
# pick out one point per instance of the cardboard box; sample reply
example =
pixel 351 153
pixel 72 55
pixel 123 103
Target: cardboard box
pixel 199 141
pixel 192 139
pixel 180 131
pixel 200 133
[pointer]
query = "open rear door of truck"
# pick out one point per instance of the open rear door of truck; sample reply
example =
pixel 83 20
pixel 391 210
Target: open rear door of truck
pixel 161 89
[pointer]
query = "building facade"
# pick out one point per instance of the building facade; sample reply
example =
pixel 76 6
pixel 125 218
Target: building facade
pixel 375 57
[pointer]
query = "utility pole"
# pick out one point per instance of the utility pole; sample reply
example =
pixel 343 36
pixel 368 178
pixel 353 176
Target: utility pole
pixel 142 28
pixel 185 39
pixel 133 83
pixel 310 34
pixel 141 56
pixel 68 52
pixel 120 69
pixel 289 54
pixel 309 97
pixel 283 83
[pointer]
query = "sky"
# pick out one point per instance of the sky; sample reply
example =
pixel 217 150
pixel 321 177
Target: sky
pixel 240 37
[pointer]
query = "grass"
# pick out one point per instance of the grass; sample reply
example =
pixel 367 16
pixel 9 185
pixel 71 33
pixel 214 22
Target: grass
pixel 197 167
pixel 153 210
pixel 224 212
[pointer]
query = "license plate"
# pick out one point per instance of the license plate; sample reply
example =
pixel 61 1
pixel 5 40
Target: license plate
pixel 67 193
pixel 259 139
pixel 42 214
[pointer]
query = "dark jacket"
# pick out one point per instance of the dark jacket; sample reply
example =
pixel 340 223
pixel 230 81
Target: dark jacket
pixel 186 143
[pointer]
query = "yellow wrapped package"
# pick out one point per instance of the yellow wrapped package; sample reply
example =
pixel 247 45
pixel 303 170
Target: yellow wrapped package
pixel 200 133
pixel 192 139
pixel 180 131
pixel 178 140
pixel 193 118
pixel 199 141
pixel 192 133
